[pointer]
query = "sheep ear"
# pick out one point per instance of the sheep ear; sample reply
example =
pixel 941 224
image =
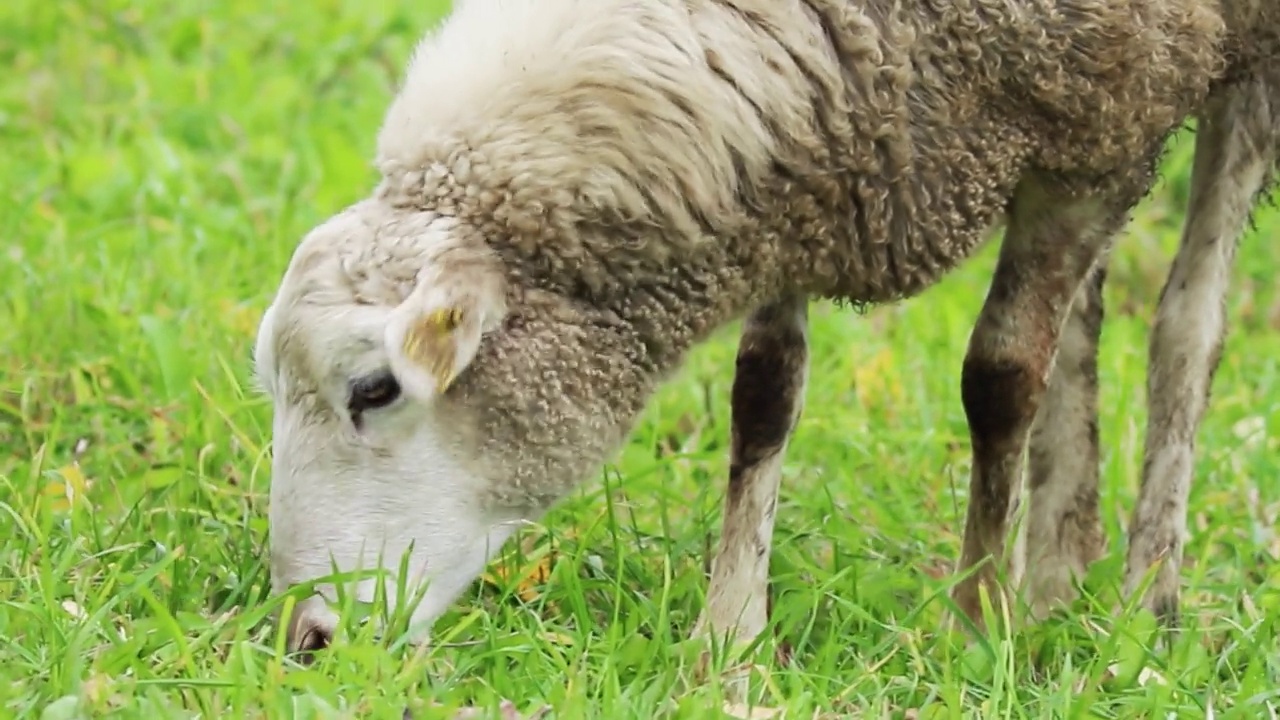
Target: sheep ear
pixel 436 332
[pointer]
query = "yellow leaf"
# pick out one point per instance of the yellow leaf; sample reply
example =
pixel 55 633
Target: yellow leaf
pixel 876 380
pixel 527 578
pixel 64 492
pixel 536 575
pixel 556 638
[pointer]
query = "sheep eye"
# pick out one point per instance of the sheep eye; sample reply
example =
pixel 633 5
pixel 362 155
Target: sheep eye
pixel 372 392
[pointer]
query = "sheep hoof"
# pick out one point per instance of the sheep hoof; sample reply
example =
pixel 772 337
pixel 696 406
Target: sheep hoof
pixel 731 661
pixel 734 675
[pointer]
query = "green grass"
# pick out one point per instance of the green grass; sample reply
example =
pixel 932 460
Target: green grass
pixel 160 161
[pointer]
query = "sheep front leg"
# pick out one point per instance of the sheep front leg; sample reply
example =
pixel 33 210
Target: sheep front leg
pixel 1050 246
pixel 1063 534
pixel 1234 155
pixel 767 397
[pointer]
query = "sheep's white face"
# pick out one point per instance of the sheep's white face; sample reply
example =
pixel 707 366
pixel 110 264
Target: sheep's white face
pixel 377 314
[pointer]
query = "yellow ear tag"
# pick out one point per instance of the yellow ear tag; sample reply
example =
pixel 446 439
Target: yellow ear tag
pixel 430 344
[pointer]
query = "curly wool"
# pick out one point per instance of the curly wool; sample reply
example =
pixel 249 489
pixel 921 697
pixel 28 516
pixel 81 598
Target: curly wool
pixel 866 147
pixel 648 170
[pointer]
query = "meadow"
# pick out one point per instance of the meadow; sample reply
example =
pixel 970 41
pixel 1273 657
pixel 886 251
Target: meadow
pixel 160 162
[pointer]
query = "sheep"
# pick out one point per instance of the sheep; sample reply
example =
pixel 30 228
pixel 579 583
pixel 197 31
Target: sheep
pixel 1234 165
pixel 574 193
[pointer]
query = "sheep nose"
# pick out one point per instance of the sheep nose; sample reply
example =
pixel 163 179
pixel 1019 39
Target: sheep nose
pixel 305 635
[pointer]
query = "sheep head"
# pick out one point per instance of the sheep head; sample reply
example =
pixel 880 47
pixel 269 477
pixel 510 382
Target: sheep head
pixel 375 456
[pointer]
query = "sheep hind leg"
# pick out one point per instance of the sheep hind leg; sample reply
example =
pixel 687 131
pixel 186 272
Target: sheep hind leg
pixel 1050 246
pixel 1235 154
pixel 1062 534
pixel 767 397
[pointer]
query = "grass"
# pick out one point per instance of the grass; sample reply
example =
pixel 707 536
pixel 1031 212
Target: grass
pixel 160 162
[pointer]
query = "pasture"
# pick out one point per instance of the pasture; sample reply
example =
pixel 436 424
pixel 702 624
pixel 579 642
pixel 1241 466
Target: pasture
pixel 160 162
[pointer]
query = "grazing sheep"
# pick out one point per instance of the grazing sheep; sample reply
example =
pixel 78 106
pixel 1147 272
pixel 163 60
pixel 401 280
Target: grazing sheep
pixel 1234 165
pixel 576 192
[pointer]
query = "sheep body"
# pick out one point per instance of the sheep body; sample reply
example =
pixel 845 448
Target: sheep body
pixel 671 165
pixel 861 149
pixel 575 192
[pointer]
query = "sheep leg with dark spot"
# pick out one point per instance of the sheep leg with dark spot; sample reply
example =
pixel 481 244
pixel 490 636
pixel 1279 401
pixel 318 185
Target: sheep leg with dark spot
pixel 1235 156
pixel 1051 243
pixel 768 394
pixel 1063 534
